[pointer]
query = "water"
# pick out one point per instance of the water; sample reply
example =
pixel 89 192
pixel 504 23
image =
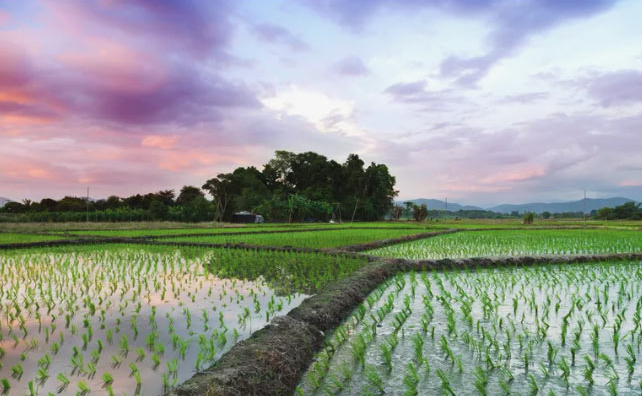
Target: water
pixel 119 301
pixel 516 316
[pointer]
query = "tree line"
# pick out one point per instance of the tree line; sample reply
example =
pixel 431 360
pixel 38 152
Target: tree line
pixel 290 187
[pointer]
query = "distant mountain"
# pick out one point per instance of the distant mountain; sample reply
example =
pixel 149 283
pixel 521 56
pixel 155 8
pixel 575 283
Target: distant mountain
pixel 539 207
pixel 4 201
pixel 436 204
pixel 572 206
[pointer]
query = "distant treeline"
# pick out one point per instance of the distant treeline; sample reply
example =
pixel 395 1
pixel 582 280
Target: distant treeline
pixel 291 186
pixel 627 211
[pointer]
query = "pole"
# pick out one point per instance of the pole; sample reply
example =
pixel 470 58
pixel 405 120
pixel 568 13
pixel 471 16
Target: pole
pixel 584 212
pixel 87 204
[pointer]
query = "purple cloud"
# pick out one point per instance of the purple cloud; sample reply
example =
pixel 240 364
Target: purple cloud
pixel 136 63
pixel 275 34
pixel 513 22
pixel 415 92
pixel 351 66
pixel 200 28
pixel 525 98
pixel 618 88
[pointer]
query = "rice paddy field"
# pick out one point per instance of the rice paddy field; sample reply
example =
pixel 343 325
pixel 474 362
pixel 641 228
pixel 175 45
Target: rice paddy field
pixel 549 330
pixel 125 320
pixel 11 237
pixel 324 239
pixel 179 231
pixel 517 243
pixel 140 319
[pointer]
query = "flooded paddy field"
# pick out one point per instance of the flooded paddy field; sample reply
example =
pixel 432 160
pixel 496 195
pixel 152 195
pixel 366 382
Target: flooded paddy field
pixel 325 239
pixel 517 243
pixel 570 329
pixel 130 320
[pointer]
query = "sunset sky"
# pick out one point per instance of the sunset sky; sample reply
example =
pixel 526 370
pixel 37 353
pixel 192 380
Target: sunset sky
pixel 482 101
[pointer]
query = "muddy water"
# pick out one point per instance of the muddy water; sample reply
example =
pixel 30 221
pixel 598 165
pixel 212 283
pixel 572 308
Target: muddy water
pixel 100 308
pixel 497 336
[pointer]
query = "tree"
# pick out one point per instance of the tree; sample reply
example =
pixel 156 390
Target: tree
pixel 605 213
pixel 188 194
pixel 158 209
pixel 13 207
pixel 397 210
pixel 220 188
pixel 281 166
pixel 198 209
pixel 166 197
pixel 408 208
pixel 629 210
pixel 546 215
pixel 420 212
pixel 528 218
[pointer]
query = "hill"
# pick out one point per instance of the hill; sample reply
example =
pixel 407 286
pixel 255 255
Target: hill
pixel 558 207
pixel 436 204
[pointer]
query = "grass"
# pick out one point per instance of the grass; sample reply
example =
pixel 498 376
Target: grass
pixel 517 242
pixel 324 239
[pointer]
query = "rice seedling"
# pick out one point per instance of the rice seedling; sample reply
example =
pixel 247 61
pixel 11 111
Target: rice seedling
pixel 325 239
pixel 6 385
pixel 71 306
pixel 505 348
pixel 516 242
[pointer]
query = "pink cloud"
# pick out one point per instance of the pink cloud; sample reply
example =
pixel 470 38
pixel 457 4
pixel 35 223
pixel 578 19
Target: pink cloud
pixel 514 176
pixel 4 17
pixel 157 141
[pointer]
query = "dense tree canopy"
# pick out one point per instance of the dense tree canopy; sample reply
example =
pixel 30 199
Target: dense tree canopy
pixel 305 185
pixel 289 187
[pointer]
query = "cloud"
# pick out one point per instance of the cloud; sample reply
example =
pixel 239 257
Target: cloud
pixel 351 66
pixel 275 34
pixel 512 23
pixel 196 28
pixel 618 88
pixel 412 92
pixel 327 114
pixel 161 142
pixel 135 64
pixel 551 157
pixel 416 92
pixel 525 98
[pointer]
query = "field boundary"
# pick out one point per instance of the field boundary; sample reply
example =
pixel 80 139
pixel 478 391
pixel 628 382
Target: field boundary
pixel 273 360
pixel 157 240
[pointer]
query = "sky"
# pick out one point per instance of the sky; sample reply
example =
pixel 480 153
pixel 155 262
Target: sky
pixel 484 102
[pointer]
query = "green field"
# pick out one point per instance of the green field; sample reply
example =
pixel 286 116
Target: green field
pixel 178 231
pixel 9 237
pixel 324 239
pixel 130 318
pixel 517 243
pixel 549 330
pixel 144 318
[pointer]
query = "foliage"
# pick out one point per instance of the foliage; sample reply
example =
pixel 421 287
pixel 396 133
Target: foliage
pixel 629 210
pixel 319 187
pixel 419 213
